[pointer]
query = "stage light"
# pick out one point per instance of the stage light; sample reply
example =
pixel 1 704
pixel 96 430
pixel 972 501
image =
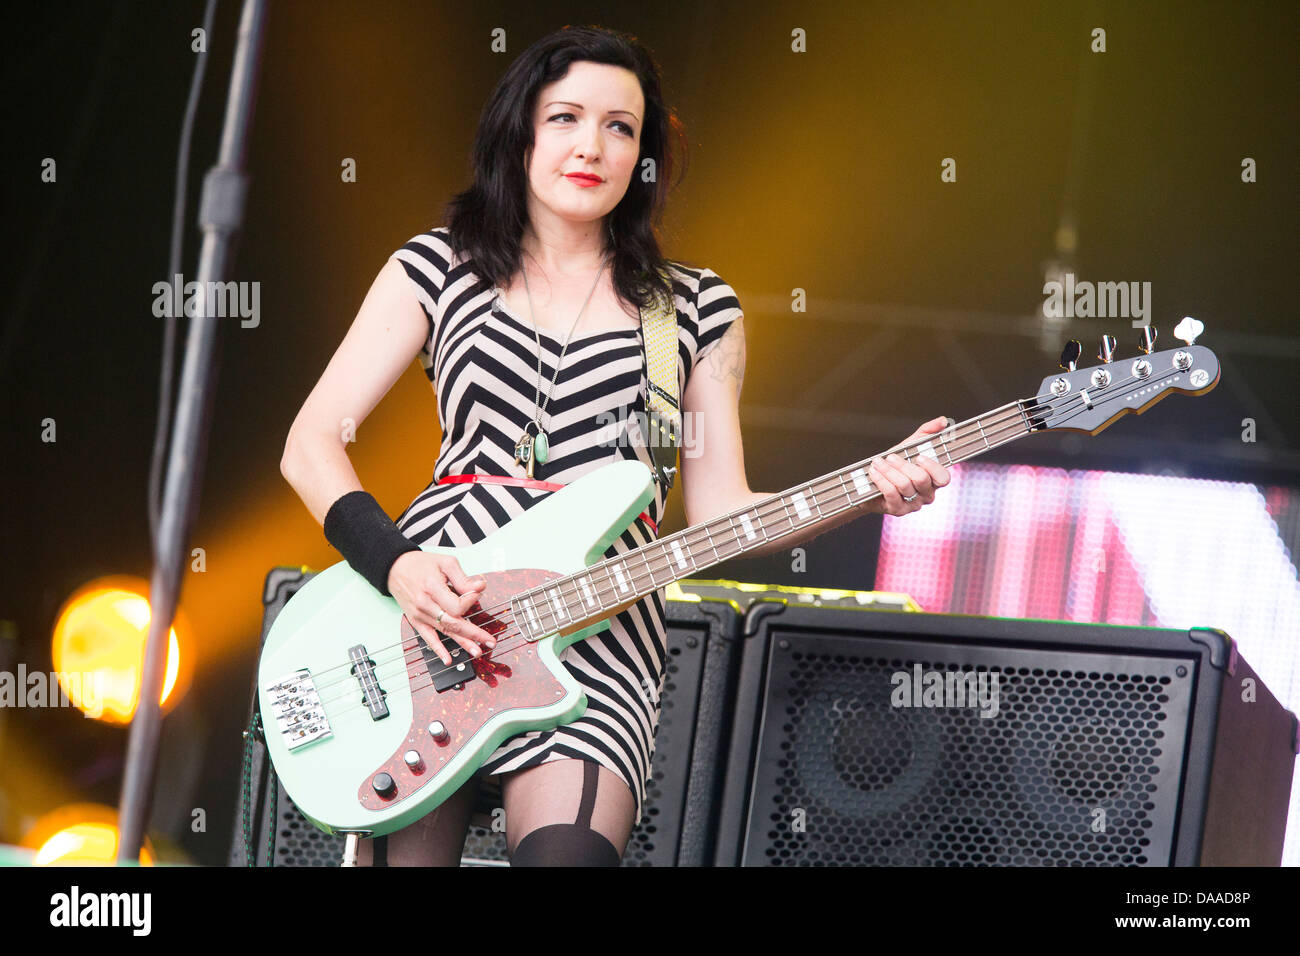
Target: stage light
pixel 98 649
pixel 79 835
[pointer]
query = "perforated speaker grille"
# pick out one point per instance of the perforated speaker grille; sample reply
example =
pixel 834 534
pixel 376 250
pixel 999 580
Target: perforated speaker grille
pixel 1074 762
pixel 298 842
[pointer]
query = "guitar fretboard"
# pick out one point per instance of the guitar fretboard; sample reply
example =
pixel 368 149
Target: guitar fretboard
pixel 616 581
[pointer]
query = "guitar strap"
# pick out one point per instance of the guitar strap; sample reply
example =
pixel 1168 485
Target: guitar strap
pixel 662 426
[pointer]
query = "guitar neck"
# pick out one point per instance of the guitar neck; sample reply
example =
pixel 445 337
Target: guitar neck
pixel 615 582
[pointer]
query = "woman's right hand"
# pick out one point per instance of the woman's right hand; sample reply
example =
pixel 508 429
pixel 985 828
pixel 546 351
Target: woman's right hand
pixel 425 585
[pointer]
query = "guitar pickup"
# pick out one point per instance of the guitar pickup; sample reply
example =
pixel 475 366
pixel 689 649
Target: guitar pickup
pixel 363 668
pixel 447 677
pixel 297 709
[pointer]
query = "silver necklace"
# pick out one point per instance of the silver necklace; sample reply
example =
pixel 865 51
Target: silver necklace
pixel 534 448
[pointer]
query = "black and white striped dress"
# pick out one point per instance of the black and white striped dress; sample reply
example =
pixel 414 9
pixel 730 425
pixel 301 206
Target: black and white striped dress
pixel 482 363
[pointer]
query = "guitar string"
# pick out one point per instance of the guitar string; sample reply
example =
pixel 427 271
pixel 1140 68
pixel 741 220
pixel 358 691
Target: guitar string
pixel 507 630
pixel 423 681
pixel 492 612
pixel 510 626
pixel 506 645
pixel 652 571
pixel 505 633
pixel 497 612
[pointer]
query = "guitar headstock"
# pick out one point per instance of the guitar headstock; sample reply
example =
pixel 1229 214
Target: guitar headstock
pixel 1088 400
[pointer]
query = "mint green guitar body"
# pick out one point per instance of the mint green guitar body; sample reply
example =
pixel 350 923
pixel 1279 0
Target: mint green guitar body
pixel 328 747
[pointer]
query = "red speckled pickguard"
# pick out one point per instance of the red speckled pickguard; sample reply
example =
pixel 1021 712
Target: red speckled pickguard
pixel 509 676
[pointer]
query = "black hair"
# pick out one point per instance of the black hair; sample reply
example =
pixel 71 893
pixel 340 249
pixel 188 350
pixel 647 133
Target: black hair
pixel 487 220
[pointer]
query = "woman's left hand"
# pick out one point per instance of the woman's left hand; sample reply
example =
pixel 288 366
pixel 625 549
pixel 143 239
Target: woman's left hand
pixel 900 480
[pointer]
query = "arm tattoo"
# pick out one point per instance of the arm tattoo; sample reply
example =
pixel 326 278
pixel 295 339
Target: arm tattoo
pixel 727 358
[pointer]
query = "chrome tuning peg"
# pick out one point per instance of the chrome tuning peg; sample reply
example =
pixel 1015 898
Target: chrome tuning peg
pixel 1107 352
pixel 1148 340
pixel 1070 354
pixel 1188 330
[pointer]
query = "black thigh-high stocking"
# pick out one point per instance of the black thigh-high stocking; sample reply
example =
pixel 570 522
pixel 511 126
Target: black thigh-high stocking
pixel 436 839
pixel 567 813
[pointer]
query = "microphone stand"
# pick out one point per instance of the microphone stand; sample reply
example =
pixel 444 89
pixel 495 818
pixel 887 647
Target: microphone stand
pixel 221 212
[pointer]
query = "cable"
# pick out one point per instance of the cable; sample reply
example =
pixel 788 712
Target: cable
pixel 160 438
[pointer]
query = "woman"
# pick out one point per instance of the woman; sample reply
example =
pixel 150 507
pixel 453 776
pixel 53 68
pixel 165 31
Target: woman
pixel 524 312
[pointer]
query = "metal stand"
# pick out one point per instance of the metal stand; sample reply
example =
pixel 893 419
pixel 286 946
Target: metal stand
pixel 220 215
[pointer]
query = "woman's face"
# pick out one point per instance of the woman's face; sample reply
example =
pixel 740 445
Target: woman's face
pixel 589 121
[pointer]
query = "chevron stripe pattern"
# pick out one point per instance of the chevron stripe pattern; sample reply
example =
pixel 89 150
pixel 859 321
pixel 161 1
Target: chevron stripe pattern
pixel 482 364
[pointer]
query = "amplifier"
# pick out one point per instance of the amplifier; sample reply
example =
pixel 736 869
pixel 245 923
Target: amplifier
pixel 947 740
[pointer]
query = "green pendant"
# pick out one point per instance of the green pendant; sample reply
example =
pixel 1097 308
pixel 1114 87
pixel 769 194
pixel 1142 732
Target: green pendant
pixel 541 447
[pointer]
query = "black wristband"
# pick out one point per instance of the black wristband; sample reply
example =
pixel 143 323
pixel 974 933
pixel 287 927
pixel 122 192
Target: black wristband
pixel 364 534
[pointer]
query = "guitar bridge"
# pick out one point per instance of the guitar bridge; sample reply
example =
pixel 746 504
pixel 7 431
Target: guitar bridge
pixel 297 709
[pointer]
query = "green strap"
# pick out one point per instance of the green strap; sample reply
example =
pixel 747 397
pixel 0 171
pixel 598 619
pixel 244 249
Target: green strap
pixel 664 425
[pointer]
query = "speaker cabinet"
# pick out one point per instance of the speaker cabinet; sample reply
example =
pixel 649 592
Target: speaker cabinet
pixel 856 743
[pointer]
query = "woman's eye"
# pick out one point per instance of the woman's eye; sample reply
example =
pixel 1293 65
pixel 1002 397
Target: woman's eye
pixel 626 128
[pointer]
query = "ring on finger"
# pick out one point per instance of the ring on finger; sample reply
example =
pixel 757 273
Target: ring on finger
pixel 913 498
pixel 438 618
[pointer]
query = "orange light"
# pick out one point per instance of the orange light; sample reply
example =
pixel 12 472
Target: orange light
pixel 78 835
pixel 98 649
